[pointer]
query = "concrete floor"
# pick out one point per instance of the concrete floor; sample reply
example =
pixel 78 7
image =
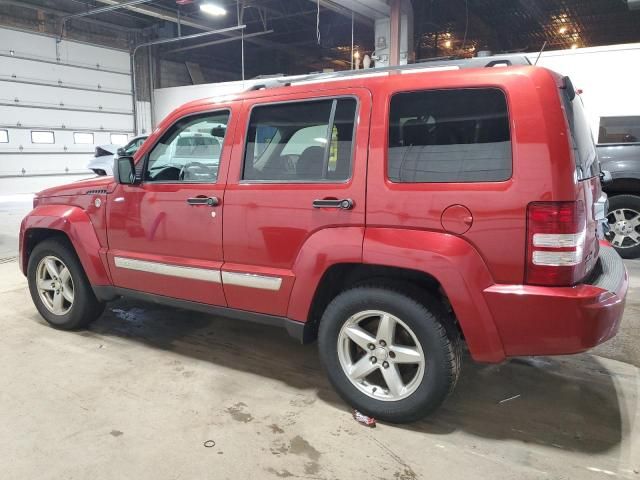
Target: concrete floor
pixel 138 394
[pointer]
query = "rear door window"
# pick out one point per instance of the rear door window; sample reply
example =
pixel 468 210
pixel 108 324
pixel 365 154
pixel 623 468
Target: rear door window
pixel 301 142
pixel 457 135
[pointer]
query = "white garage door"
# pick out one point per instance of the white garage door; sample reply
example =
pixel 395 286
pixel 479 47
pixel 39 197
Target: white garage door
pixel 58 101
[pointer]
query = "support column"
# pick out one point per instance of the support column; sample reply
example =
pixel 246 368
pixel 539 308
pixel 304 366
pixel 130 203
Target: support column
pixel 394 43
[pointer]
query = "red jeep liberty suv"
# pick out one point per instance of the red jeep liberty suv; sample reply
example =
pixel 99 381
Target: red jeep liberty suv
pixel 392 214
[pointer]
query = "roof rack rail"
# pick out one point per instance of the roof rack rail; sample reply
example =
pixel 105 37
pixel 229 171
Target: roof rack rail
pixel 442 62
pixel 269 84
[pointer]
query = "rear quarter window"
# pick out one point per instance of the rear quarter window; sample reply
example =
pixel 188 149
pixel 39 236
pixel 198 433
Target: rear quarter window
pixel 584 149
pixel 456 135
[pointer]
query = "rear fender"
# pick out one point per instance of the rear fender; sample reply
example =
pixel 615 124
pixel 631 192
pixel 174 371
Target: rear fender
pixel 459 269
pixel 76 225
pixel 320 251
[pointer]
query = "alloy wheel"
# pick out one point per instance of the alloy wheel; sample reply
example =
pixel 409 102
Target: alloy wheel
pixel 624 228
pixel 380 355
pixel 55 285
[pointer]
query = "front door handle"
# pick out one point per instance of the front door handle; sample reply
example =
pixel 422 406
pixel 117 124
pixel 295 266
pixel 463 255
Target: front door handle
pixel 203 200
pixel 343 204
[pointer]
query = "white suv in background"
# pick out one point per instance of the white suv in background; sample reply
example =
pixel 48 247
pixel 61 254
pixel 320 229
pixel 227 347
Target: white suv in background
pixel 102 162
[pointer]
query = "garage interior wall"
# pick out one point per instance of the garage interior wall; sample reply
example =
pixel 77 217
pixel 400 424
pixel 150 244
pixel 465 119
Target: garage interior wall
pixel 58 100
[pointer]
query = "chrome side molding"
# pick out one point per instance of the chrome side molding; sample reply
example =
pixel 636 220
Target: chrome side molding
pixel 252 280
pixel 249 280
pixel 193 273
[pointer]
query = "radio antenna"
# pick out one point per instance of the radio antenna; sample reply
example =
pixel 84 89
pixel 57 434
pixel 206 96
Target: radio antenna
pixel 541 50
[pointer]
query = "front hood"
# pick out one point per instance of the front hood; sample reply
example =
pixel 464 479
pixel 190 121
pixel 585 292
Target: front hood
pixel 81 187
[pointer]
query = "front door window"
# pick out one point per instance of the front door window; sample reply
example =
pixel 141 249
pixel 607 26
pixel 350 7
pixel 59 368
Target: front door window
pixel 189 151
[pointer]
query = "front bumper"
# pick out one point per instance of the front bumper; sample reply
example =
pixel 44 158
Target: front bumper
pixel 535 320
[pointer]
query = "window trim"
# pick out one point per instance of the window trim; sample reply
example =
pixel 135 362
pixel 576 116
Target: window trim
pixel 7 132
pixel 388 122
pixel 93 138
pixel 53 136
pixel 620 144
pixel 145 159
pixel 334 106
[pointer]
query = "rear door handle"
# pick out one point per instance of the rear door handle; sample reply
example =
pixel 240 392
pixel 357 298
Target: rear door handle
pixel 343 204
pixel 203 200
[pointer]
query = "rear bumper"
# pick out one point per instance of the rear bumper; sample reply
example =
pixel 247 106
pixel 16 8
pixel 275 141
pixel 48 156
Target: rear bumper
pixel 535 320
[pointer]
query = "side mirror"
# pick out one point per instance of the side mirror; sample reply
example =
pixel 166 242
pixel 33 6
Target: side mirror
pixel 124 171
pixel 120 152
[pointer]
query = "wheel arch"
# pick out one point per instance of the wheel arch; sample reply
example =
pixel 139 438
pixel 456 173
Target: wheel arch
pixel 71 223
pixel 459 269
pixel 440 263
pixel 623 186
pixel 34 236
pixel 343 276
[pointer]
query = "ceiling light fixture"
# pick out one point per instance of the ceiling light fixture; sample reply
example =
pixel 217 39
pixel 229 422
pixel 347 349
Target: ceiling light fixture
pixel 562 30
pixel 212 9
pixel 447 44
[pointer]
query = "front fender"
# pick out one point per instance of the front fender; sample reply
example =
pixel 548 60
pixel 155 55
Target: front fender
pixel 76 225
pixel 458 267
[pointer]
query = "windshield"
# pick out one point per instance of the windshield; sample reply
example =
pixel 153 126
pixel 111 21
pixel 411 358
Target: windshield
pixel 198 146
pixel 587 165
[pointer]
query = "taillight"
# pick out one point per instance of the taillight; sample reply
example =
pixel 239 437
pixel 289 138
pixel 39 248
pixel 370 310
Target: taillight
pixel 36 201
pixel 555 243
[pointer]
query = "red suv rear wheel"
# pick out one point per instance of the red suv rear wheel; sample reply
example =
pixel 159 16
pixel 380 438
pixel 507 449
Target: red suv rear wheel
pixel 387 354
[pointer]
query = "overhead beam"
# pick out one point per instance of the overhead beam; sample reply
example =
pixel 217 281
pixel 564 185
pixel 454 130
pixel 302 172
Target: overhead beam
pixel 160 14
pixel 365 11
pixel 343 10
pixel 218 42
pixel 96 11
pixel 61 13
pixel 164 15
pixel 105 9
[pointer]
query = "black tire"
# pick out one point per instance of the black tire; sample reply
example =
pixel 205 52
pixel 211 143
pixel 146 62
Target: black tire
pixel 85 308
pixel 629 202
pixel 434 330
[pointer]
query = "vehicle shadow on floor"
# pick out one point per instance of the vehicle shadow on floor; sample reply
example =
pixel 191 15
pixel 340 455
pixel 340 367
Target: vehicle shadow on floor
pixel 563 402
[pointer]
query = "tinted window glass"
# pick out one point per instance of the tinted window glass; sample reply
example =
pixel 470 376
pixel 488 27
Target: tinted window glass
pixel 584 149
pixel 189 151
pixel 300 142
pixel 449 136
pixel 619 130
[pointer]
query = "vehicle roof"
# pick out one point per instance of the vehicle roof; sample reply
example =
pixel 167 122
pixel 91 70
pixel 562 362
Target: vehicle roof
pixel 487 68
